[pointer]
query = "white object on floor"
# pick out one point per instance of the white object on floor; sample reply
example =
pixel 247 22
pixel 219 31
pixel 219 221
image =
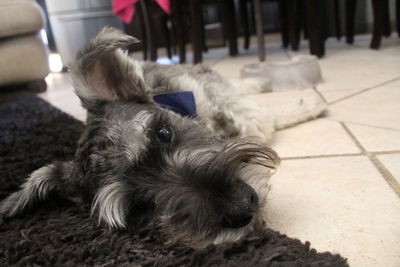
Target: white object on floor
pixel 252 85
pixel 288 108
pixel 300 72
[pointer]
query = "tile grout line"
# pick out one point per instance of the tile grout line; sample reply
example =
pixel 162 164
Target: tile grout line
pixel 323 156
pixel 374 153
pixel 363 91
pixel 378 165
pixel 320 94
pixel 388 152
pixel 363 124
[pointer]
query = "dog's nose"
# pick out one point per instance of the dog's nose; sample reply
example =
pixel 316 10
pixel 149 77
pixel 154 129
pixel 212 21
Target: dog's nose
pixel 248 199
pixel 240 212
pixel 252 199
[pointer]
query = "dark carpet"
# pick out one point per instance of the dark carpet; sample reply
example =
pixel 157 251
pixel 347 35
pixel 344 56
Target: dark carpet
pixel 57 233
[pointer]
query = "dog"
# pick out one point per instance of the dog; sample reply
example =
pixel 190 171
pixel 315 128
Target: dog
pixel 196 175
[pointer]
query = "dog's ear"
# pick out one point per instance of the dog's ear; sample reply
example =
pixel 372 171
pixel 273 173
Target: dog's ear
pixel 103 72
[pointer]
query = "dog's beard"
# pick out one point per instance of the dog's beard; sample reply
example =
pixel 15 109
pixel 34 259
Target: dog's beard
pixel 186 235
pixel 257 177
pixel 184 217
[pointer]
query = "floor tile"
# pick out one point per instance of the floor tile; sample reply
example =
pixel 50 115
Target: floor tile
pixel 350 69
pixel 358 69
pixel 392 164
pixel 318 137
pixel 357 66
pixel 339 204
pixel 376 139
pixel 70 104
pixel 377 107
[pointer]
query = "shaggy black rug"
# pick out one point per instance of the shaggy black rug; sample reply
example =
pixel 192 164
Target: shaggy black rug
pixel 57 233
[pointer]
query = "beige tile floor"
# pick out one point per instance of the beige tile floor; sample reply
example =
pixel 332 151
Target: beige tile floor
pixel 339 182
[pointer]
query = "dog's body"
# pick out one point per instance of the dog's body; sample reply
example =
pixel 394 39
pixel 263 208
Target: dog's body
pixel 139 163
pixel 220 104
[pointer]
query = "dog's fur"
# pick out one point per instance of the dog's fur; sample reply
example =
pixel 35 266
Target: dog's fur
pixel 138 163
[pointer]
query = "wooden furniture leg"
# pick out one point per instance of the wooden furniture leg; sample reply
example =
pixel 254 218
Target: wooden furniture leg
pixel 195 17
pixel 350 18
pixel 377 27
pixel 244 20
pixel 229 24
pixel 314 10
pixel 387 29
pixel 259 30
pixel 167 34
pixel 178 20
pixel 148 23
pixel 338 27
pixel 283 20
pixel 294 21
pixel 398 17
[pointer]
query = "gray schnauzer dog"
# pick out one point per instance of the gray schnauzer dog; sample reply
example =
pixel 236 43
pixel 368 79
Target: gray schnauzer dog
pixel 198 179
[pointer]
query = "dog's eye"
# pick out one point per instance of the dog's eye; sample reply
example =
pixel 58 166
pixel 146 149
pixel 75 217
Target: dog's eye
pixel 164 134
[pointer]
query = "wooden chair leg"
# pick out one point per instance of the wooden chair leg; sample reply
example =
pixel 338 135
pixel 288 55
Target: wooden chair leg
pixel 398 17
pixel 283 20
pixel 377 27
pixel 259 30
pixel 229 18
pixel 174 42
pixel 338 27
pixel 204 46
pixel 387 31
pixel 148 22
pixel 167 35
pixel 316 36
pixel 303 14
pixel 144 34
pixel 294 23
pixel 178 21
pixel 194 8
pixel 350 18
pixel 244 19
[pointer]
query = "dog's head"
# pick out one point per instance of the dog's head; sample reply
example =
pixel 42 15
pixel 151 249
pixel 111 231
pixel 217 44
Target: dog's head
pixel 136 157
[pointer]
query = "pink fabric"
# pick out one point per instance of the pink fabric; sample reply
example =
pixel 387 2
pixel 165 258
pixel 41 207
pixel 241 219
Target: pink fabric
pixel 165 5
pixel 125 9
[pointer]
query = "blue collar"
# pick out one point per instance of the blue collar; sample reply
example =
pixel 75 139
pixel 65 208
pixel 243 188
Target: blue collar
pixel 180 102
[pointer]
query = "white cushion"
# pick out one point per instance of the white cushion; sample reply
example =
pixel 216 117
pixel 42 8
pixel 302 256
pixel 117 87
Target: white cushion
pixel 19 17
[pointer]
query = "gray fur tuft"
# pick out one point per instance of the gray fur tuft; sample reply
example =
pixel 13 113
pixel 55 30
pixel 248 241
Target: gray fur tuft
pixel 36 187
pixel 111 204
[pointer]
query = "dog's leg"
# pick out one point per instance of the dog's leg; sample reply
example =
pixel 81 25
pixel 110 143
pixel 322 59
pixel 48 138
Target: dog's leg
pixel 37 187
